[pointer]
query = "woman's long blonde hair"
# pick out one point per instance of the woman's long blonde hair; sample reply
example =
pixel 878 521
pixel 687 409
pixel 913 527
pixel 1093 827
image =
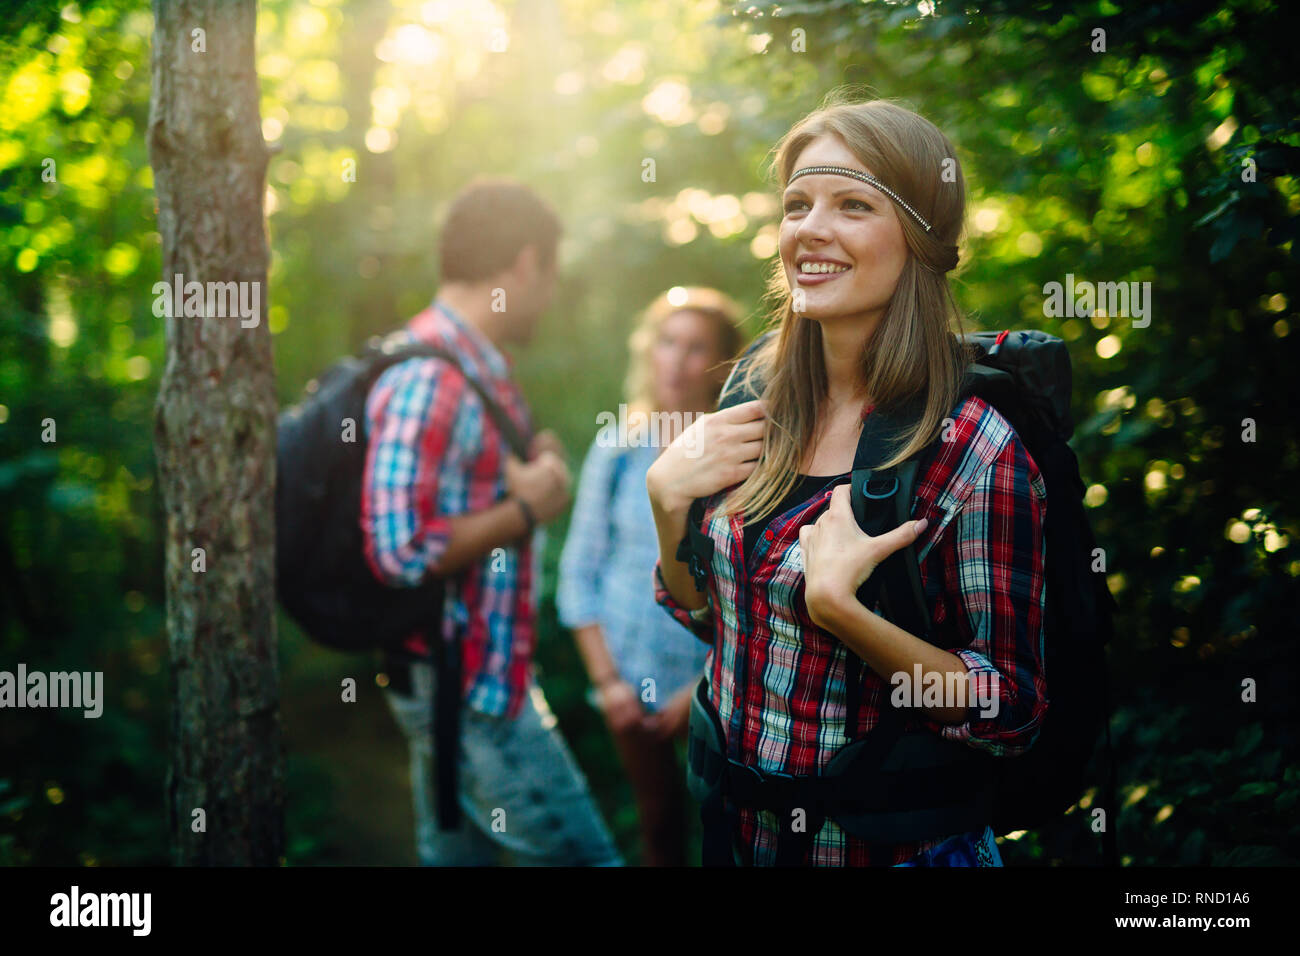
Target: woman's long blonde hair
pixel 912 352
pixel 720 309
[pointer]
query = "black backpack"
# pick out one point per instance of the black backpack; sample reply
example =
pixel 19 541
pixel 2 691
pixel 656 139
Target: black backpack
pixel 322 576
pixel 1026 377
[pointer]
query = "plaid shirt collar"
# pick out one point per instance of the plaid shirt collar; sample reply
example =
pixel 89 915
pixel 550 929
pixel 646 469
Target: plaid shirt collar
pixel 440 322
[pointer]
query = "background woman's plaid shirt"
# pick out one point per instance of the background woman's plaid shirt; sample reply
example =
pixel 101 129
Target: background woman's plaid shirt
pixel 778 680
pixel 435 452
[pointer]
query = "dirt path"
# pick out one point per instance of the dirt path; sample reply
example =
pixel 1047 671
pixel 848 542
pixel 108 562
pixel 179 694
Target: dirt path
pixel 358 751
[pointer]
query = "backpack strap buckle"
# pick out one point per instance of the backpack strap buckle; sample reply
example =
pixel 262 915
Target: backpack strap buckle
pixel 696 548
pixel 750 787
pixel 880 487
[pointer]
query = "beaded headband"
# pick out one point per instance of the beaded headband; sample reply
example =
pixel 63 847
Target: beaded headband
pixel 870 180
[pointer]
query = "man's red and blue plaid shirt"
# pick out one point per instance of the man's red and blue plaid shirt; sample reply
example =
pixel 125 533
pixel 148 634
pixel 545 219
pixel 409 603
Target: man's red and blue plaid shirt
pixel 434 452
pixel 778 680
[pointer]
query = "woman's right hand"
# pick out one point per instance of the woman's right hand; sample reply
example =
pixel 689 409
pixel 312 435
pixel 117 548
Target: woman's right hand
pixel 620 705
pixel 718 450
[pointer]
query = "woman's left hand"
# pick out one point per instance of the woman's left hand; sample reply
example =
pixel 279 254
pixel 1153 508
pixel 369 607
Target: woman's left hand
pixel 671 721
pixel 838 555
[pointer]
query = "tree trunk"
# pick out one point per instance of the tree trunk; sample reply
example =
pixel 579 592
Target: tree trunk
pixel 215 438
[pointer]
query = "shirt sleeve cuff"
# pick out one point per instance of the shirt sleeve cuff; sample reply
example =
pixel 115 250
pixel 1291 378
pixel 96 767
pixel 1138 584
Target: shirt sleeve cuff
pixel 408 565
pixel 437 534
pixel 984 680
pixel 699 621
pixel 574 620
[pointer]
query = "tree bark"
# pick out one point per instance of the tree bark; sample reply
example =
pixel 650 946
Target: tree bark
pixel 215 439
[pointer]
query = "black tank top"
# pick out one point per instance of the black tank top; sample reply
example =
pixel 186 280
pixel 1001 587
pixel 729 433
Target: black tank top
pixel 805 487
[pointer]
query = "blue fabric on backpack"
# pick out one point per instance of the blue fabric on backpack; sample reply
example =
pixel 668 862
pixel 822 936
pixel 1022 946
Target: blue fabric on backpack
pixel 964 849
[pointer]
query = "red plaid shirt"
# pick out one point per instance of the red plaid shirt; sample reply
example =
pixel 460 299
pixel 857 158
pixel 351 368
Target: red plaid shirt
pixel 434 452
pixel 778 680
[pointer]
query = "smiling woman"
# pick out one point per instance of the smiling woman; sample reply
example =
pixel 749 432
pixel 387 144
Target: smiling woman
pixel 794 713
pixel 887 255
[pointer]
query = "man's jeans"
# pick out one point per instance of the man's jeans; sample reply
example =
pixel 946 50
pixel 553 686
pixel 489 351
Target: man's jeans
pixel 520 789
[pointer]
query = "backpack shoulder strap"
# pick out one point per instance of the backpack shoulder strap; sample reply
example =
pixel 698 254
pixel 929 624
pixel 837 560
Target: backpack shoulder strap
pixel 733 389
pixel 881 500
pixel 509 430
pixel 617 471
pixel 696 548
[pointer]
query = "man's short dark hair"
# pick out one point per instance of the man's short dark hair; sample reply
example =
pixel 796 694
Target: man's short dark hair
pixel 489 222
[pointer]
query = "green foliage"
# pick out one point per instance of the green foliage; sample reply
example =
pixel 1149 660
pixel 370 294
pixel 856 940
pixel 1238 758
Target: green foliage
pixel 1123 165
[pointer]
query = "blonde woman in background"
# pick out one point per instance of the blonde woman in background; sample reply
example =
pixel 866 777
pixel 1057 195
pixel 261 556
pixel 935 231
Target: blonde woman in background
pixel 641 670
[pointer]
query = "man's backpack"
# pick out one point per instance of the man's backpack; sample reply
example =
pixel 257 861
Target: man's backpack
pixel 1025 376
pixel 322 576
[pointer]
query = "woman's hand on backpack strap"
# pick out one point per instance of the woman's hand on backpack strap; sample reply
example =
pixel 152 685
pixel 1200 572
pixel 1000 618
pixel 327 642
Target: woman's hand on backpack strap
pixel 718 450
pixel 838 556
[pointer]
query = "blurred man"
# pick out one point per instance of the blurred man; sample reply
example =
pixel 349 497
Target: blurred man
pixel 443 495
